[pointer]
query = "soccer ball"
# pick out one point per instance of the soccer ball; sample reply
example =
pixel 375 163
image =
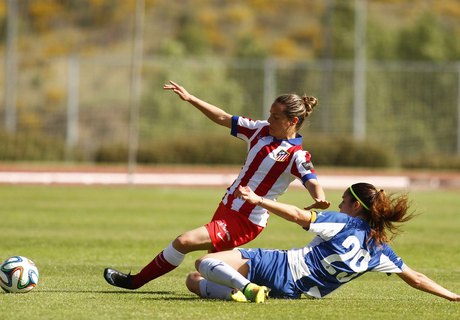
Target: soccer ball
pixel 18 274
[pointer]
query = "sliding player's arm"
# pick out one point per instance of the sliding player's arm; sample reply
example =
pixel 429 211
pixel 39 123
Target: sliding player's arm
pixel 286 211
pixel 421 282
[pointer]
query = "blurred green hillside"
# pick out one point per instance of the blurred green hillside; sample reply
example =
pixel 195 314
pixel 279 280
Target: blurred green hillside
pixel 306 29
pixel 238 55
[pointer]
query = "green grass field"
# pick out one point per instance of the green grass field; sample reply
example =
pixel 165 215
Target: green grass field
pixel 74 232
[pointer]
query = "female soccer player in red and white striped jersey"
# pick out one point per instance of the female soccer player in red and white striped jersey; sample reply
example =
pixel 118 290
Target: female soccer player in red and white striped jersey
pixel 275 158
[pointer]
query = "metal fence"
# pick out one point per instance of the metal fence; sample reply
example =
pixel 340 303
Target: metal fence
pixel 87 102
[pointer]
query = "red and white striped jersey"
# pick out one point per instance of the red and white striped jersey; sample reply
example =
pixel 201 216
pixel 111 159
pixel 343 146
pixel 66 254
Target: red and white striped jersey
pixel 271 165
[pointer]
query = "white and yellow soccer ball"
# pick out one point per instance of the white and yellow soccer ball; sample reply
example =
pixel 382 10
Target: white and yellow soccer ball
pixel 18 274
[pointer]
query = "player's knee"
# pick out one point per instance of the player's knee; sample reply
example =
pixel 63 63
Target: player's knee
pixel 197 264
pixel 193 282
pixel 197 239
pixel 182 243
pixel 199 260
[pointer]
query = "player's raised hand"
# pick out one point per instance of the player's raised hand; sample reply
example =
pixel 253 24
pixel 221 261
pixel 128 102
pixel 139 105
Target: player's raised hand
pixel 319 204
pixel 177 89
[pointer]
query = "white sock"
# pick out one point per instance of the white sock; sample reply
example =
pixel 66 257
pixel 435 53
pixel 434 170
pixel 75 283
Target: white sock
pixel 221 273
pixel 173 256
pixel 212 290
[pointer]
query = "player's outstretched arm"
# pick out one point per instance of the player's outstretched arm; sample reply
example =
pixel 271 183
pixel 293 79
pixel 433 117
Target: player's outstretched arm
pixel 286 211
pixel 214 113
pixel 317 193
pixel 421 282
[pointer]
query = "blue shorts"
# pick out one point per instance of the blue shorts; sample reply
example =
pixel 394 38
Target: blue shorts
pixel 270 268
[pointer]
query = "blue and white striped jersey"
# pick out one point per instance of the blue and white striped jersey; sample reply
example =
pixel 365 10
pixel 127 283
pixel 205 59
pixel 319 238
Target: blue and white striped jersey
pixel 339 253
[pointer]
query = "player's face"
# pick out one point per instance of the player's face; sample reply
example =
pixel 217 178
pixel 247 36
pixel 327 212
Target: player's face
pixel 346 206
pixel 280 126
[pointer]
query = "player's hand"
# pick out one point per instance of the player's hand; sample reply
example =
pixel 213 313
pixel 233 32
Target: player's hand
pixel 455 298
pixel 247 194
pixel 319 204
pixel 177 89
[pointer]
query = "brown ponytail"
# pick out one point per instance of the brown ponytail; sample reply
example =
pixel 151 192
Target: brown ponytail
pixel 384 213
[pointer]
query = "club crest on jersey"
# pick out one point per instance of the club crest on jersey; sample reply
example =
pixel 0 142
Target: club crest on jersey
pixel 282 155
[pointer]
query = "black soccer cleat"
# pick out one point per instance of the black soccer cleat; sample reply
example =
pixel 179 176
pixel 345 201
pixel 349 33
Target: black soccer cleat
pixel 118 279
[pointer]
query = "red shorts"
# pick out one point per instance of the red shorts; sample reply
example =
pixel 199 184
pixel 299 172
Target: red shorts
pixel 229 229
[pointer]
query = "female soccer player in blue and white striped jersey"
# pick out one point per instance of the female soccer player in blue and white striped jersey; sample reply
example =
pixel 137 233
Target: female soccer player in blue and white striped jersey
pixel 274 159
pixel 348 244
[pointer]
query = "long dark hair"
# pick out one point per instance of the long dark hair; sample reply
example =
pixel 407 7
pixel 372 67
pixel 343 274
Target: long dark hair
pixel 383 212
